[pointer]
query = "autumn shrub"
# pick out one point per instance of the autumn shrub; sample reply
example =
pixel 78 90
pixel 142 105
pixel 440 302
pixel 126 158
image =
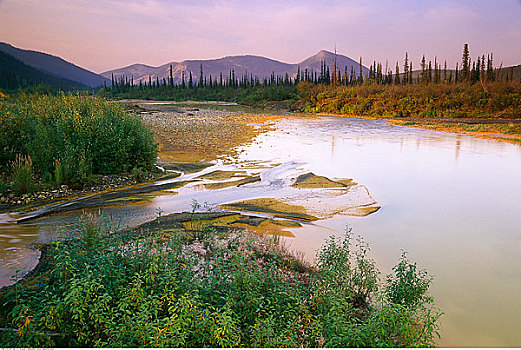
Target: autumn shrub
pixel 462 100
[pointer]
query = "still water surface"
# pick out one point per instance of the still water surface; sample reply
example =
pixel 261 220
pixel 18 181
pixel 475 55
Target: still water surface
pixel 452 202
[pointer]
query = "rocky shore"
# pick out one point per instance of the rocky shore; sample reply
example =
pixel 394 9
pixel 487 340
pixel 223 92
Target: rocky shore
pixel 10 201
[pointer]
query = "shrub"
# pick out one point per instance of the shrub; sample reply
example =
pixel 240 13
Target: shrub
pixel 408 286
pixel 74 136
pixel 143 289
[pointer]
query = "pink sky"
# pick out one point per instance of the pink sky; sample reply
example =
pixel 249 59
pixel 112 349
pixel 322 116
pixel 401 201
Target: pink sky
pixel 102 35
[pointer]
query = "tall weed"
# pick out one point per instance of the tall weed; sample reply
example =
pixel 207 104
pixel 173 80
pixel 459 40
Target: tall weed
pixel 22 174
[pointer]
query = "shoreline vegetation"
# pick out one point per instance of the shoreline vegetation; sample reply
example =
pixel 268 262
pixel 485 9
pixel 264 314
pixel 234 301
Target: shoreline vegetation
pixel 61 145
pixel 170 284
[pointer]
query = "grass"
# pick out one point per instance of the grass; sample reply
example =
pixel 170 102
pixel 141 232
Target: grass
pixel 162 287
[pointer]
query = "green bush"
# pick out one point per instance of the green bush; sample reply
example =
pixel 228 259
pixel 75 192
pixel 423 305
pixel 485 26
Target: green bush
pixel 74 136
pixel 157 289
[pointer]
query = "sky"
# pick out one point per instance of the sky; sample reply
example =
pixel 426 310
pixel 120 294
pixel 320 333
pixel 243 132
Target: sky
pixel 100 35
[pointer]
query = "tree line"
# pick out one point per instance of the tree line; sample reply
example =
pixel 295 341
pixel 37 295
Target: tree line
pixel 480 71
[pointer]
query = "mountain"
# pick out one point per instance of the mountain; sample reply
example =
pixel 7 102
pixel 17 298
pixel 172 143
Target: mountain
pixel 55 66
pixel 257 66
pixel 15 74
pixel 314 63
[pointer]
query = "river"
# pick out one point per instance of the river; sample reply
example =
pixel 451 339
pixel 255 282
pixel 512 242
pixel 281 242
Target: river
pixel 453 202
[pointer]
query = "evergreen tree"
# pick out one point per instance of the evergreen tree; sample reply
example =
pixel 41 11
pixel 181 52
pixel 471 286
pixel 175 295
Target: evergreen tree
pixel 406 68
pixel 482 69
pixel 201 84
pixel 397 74
pixel 328 76
pixel 490 68
pixel 424 70
pixel 465 66
pixel 190 81
pixel 360 77
pixel 436 71
pixel 171 82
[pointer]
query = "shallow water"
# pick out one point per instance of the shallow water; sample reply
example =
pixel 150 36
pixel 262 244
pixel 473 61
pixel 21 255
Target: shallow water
pixel 453 202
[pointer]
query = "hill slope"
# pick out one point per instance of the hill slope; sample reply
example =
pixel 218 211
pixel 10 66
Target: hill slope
pixel 54 65
pixel 258 66
pixel 15 74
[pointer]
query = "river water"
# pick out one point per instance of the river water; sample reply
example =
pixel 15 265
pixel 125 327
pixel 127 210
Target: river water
pixel 453 202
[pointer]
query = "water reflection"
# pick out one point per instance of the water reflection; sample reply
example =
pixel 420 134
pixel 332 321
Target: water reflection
pixel 452 201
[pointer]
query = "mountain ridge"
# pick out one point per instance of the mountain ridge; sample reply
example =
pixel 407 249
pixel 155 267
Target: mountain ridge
pixel 15 74
pixel 258 66
pixel 54 65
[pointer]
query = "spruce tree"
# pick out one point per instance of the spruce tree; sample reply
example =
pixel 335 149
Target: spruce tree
pixel 397 74
pixel 465 66
pixel 436 71
pixel 328 76
pixel 424 70
pixel 406 68
pixel 482 69
pixel 360 77
pixel 201 84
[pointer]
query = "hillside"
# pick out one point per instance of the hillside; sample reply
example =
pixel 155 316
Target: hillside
pixel 15 74
pixel 258 66
pixel 54 66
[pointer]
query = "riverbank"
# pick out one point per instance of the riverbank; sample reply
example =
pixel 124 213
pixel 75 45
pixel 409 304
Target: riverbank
pixel 191 135
pixel 507 130
pixel 10 201
pixel 497 129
